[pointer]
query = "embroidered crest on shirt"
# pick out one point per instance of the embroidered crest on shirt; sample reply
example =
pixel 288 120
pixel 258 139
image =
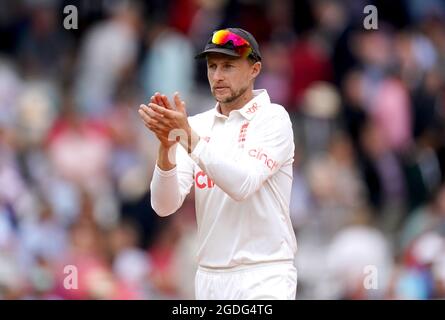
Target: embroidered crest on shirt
pixel 242 134
pixel 253 108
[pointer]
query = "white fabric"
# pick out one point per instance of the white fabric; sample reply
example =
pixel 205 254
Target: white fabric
pixel 265 282
pixel 242 171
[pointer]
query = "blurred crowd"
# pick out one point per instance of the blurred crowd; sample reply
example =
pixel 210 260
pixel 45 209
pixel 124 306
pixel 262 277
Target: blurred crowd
pixel 368 111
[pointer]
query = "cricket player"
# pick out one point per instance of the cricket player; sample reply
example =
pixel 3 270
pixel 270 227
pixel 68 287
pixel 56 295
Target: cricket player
pixel 239 157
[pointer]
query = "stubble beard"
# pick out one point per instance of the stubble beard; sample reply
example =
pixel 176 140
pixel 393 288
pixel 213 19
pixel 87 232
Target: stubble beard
pixel 234 96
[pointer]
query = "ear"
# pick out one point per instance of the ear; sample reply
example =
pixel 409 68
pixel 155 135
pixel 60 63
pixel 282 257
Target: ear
pixel 256 69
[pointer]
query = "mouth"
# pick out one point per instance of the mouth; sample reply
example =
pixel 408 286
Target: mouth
pixel 219 89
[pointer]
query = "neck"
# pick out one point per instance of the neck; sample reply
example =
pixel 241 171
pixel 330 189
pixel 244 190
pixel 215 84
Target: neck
pixel 238 103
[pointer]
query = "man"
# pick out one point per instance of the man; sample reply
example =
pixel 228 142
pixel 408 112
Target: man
pixel 239 155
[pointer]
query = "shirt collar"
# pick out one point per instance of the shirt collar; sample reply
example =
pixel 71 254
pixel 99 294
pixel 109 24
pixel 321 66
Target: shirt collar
pixel 249 110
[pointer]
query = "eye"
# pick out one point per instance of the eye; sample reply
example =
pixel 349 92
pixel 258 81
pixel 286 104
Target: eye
pixel 211 66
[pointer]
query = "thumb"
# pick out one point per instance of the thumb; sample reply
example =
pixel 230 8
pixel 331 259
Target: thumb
pixel 180 105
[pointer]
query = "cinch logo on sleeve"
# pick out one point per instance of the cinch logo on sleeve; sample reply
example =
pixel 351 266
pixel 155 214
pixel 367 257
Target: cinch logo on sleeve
pixel 260 155
pixel 203 181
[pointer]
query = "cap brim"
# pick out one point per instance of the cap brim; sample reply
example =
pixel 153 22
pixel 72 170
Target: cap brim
pixel 217 50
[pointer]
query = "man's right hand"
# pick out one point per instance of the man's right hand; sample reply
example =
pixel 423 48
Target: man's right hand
pixel 167 148
pixel 148 116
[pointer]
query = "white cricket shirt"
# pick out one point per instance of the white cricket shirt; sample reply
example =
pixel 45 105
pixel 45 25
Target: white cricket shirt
pixel 242 172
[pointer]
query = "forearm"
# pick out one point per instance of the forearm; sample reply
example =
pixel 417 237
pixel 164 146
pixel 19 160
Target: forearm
pixel 242 173
pixel 165 178
pixel 236 178
pixel 238 184
pixel 165 195
pixel 167 157
pixel 172 180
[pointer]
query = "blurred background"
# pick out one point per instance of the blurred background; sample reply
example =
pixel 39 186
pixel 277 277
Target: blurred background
pixel 367 106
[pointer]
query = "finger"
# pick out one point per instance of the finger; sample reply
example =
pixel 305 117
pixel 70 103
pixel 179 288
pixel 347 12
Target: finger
pixel 161 134
pixel 143 107
pixel 158 99
pixel 177 100
pixel 147 120
pixel 153 114
pixel 154 99
pixel 165 112
pixel 150 127
pixel 155 125
pixel 154 118
pixel 150 112
pixel 180 105
pixel 143 110
pixel 158 122
pixel 158 130
pixel 166 102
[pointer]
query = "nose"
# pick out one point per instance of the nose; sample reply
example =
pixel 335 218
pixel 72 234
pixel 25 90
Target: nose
pixel 217 75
